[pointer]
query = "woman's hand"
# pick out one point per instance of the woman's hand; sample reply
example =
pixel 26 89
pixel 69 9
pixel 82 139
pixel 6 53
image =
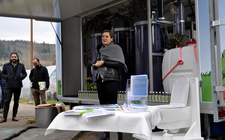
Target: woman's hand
pixel 99 63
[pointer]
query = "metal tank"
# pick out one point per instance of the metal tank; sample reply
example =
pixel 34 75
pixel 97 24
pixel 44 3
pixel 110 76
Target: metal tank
pixel 124 36
pixel 141 51
pixel 157 57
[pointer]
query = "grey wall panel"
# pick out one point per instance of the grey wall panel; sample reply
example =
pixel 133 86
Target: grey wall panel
pixel 71 57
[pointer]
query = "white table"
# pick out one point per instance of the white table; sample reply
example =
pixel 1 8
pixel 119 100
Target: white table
pixel 137 123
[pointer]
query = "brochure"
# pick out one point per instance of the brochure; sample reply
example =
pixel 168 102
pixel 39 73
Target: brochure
pixel 139 85
pixel 92 106
pixel 98 113
pixel 42 85
pixel 76 112
pixel 113 109
pixel 110 106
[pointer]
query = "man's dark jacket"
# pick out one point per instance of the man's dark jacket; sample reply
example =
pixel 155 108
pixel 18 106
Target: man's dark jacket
pixel 39 74
pixel 13 81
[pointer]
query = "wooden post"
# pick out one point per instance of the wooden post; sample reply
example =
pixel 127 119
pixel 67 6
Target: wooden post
pixel 31 44
pixel 31 56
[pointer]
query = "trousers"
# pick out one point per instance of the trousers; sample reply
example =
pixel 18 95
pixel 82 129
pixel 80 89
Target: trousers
pixel 0 97
pixel 107 92
pixel 3 98
pixel 37 93
pixel 8 96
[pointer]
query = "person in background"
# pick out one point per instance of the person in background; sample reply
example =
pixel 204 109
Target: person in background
pixel 37 75
pixel 13 72
pixel 3 95
pixel 109 59
pixel 1 92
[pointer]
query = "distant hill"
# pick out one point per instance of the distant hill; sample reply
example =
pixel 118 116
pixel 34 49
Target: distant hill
pixel 44 51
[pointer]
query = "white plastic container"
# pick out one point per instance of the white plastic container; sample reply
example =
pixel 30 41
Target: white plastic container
pixel 189 68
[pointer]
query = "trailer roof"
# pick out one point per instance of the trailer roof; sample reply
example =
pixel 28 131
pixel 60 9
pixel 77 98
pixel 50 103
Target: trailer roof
pixel 51 10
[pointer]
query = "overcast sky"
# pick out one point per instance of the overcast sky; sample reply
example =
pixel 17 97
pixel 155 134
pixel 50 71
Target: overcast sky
pixel 19 29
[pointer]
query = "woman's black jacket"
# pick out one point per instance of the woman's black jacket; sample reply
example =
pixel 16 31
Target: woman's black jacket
pixel 112 73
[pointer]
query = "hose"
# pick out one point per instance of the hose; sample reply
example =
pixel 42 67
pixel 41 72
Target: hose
pixel 160 25
pixel 20 132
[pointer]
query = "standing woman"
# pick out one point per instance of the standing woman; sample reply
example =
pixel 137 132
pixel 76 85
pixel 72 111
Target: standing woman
pixel 110 58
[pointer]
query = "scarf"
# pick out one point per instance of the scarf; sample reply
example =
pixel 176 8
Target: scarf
pixel 112 52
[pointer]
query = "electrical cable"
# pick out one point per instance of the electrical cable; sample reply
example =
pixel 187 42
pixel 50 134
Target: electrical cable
pixel 53 26
pixel 56 35
pixel 20 132
pixel 160 25
pixel 192 10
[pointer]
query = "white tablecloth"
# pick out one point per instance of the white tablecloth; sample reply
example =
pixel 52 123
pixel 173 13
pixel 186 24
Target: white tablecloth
pixel 137 123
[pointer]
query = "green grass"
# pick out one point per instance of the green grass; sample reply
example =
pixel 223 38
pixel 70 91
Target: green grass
pixel 54 102
pixel 3 62
pixel 23 100
pixel 48 102
pixel 31 122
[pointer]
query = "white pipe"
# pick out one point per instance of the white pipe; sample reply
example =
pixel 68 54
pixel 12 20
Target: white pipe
pixel 218 50
pixel 81 56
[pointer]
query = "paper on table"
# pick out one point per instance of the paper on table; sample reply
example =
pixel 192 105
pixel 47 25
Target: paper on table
pixel 76 112
pixel 42 85
pixel 72 112
pixel 98 113
pixel 110 106
pixel 113 109
pixel 92 106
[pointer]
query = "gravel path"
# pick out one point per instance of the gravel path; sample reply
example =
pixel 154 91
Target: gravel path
pixel 25 110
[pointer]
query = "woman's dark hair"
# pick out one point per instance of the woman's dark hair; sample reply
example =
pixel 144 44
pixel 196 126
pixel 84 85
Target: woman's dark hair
pixel 16 55
pixel 110 33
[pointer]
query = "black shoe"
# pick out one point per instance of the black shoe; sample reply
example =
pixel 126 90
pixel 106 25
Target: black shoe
pixel 3 120
pixel 105 136
pixel 14 119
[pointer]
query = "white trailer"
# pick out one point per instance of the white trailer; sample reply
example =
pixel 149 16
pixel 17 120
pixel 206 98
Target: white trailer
pixel 70 16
